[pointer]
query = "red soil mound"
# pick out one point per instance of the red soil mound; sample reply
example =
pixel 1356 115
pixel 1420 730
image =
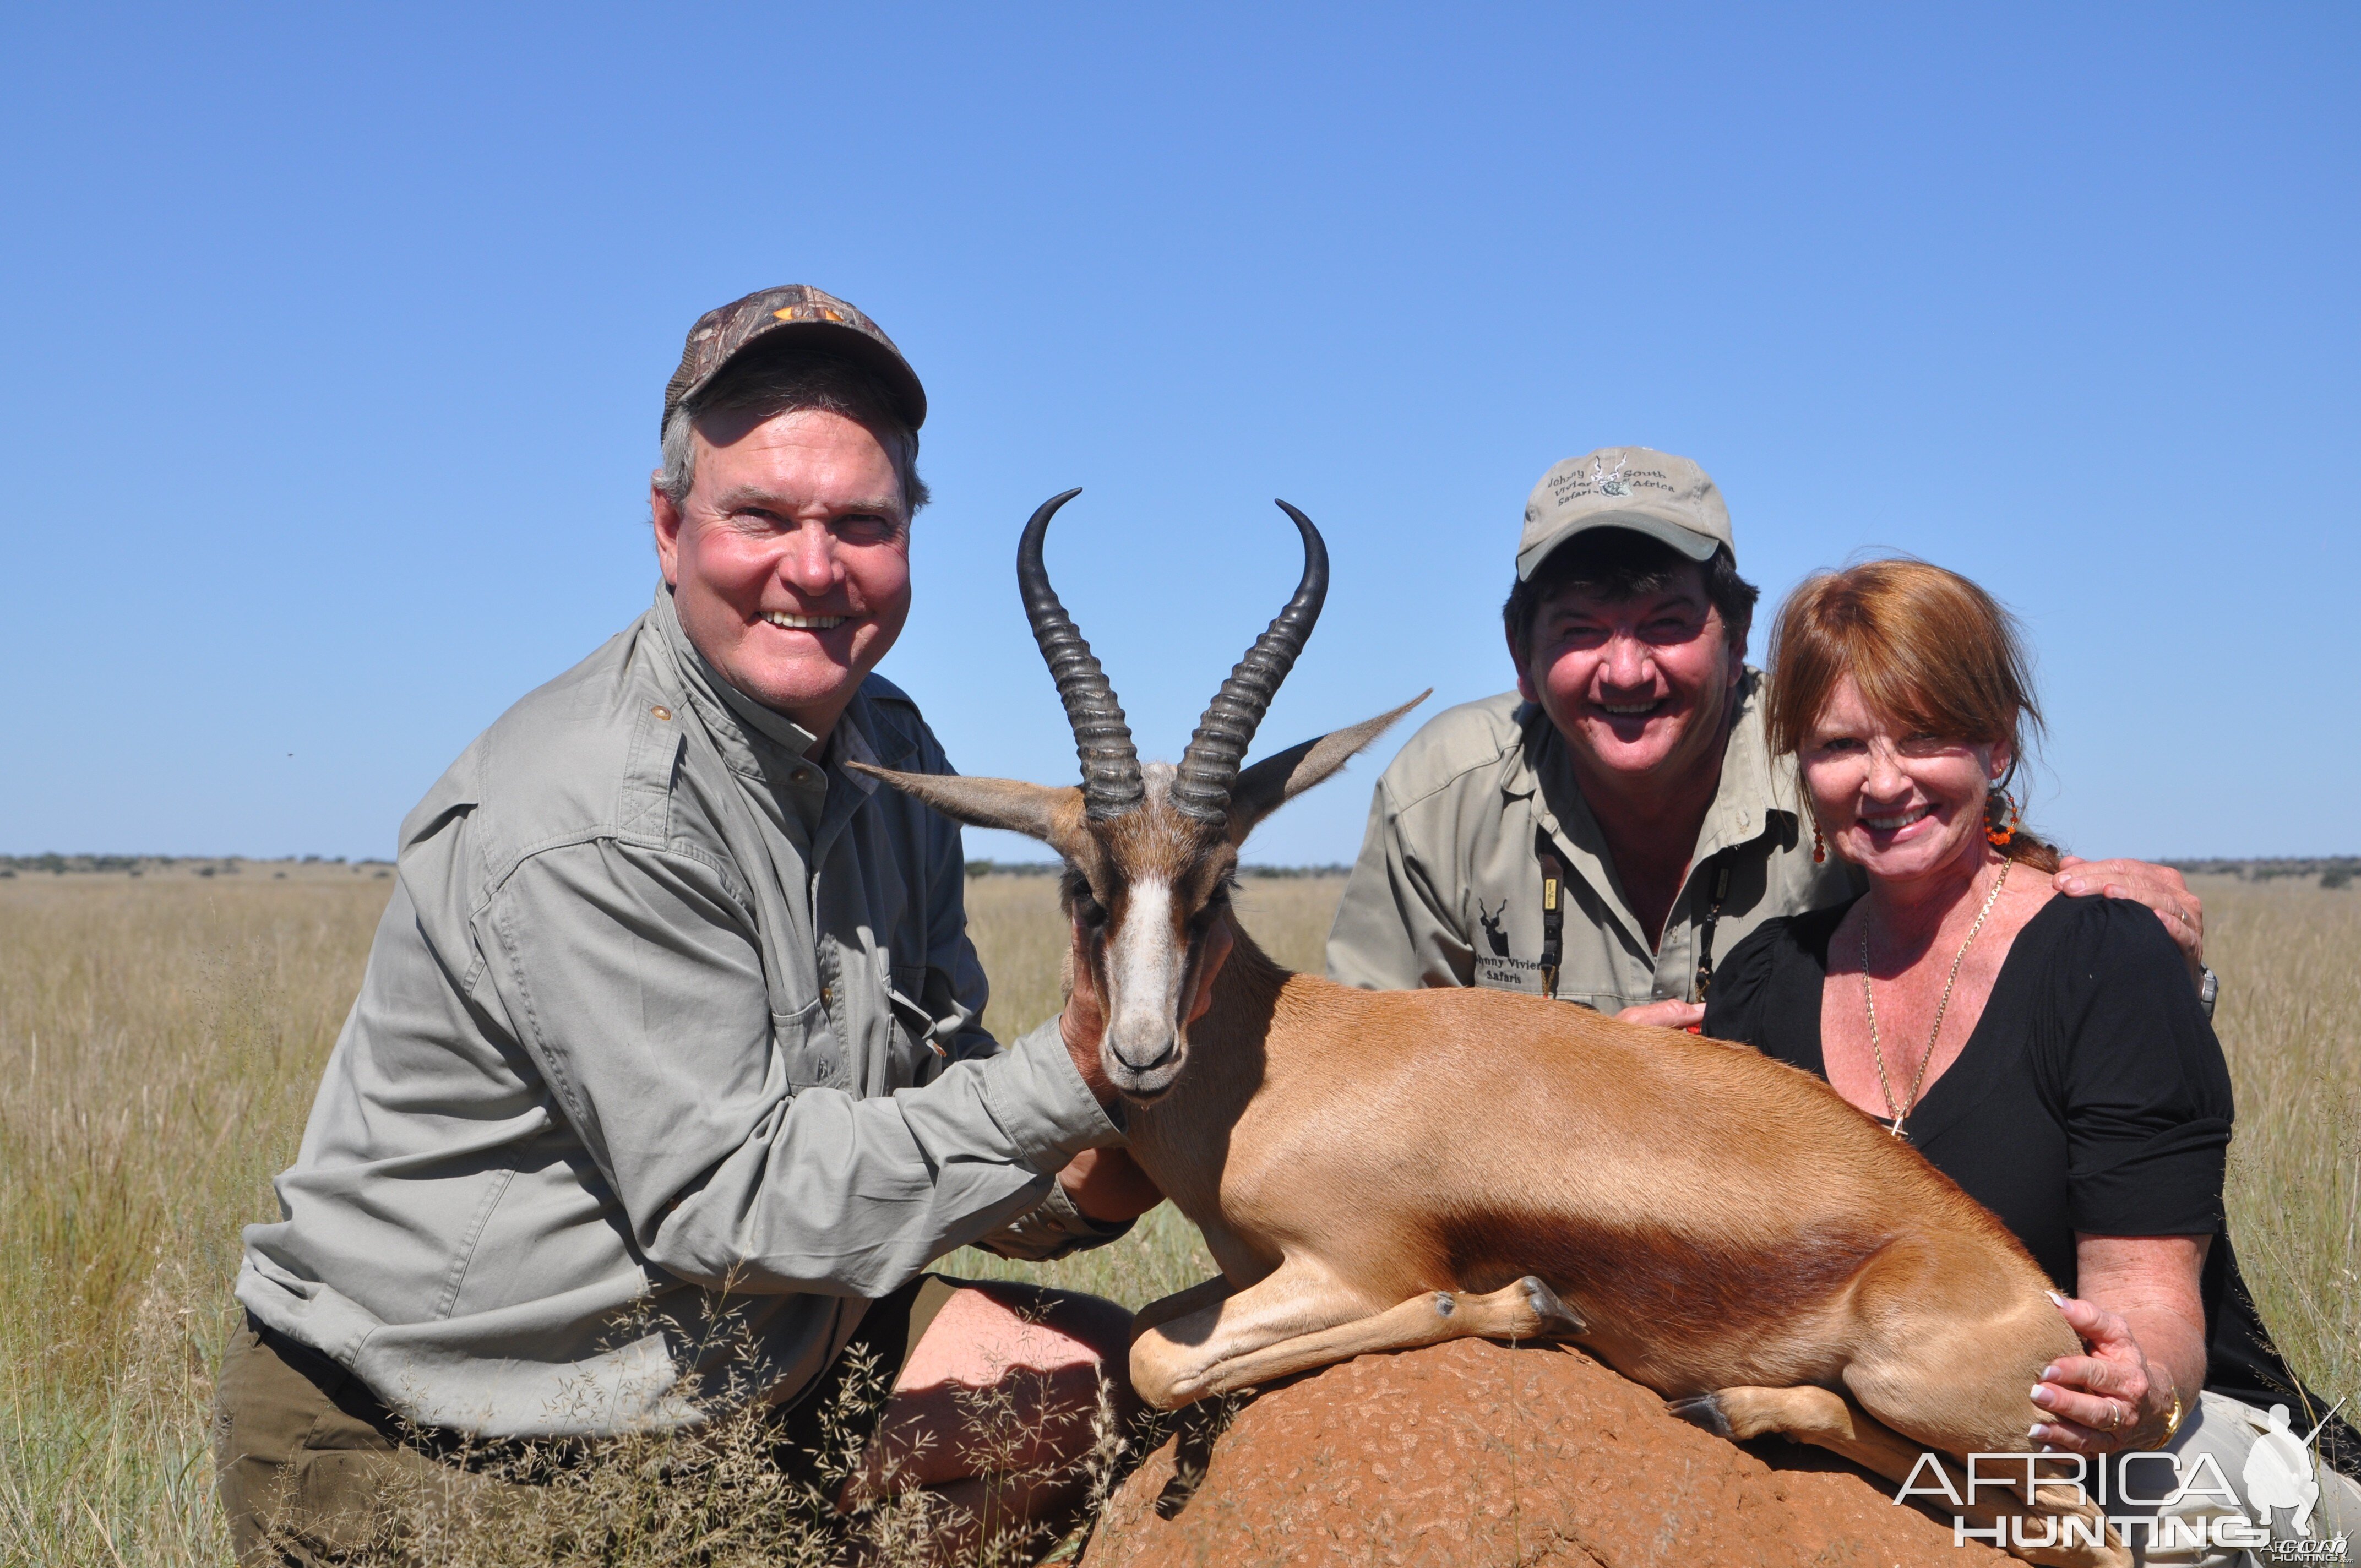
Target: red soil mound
pixel 1476 1455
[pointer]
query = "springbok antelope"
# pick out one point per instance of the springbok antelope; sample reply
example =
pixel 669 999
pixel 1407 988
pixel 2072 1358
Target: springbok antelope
pixel 1374 1171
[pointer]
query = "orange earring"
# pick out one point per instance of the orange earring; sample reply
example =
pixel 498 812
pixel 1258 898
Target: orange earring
pixel 1819 850
pixel 2000 818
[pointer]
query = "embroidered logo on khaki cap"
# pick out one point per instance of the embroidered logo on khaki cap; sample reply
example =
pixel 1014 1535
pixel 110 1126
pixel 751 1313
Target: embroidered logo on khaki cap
pixel 803 317
pixel 1667 497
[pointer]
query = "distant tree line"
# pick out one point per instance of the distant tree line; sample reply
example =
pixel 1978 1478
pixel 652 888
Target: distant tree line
pixel 141 865
pixel 2334 871
pixel 1052 868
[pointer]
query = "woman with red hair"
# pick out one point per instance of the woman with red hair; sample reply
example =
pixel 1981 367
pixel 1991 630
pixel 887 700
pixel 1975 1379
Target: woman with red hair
pixel 2046 1053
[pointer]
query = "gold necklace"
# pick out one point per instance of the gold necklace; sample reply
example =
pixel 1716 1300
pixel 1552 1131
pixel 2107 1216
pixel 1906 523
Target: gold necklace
pixel 1870 1002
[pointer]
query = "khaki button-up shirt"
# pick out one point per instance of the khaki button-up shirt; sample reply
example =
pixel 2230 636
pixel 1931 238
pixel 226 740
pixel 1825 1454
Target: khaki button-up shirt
pixel 667 1019
pixel 1448 887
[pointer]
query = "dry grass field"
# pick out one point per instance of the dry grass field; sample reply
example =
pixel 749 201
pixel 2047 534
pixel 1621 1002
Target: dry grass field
pixel 160 1036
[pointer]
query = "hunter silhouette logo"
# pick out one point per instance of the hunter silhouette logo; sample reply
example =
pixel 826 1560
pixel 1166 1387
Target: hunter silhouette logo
pixel 2280 1471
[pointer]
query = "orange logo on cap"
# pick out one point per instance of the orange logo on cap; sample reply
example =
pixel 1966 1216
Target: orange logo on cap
pixel 784 313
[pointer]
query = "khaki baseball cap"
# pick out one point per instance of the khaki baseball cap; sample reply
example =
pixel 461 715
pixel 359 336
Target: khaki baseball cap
pixel 1667 497
pixel 805 318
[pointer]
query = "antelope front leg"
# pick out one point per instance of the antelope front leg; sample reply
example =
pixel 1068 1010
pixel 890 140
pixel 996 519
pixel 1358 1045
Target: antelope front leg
pixel 1296 1321
pixel 1174 1354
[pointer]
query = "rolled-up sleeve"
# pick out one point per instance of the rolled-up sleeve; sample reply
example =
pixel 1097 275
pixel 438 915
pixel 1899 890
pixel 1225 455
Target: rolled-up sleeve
pixel 1393 930
pixel 633 981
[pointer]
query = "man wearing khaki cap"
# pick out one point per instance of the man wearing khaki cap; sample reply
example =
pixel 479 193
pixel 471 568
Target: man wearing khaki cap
pixel 666 1078
pixel 1603 832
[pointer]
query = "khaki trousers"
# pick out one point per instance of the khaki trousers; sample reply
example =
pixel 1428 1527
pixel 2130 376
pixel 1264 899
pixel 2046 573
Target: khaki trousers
pixel 312 1465
pixel 310 1462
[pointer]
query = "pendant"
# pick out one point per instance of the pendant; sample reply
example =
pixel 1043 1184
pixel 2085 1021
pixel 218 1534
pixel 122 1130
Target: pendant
pixel 1895 1127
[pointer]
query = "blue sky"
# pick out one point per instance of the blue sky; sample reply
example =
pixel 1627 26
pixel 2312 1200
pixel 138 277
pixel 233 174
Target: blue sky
pixel 334 343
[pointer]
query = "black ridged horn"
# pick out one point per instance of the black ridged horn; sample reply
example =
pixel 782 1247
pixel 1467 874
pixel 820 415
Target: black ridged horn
pixel 1111 783
pixel 1210 767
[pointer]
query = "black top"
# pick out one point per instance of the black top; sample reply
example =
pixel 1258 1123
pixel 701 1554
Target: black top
pixel 2091 1096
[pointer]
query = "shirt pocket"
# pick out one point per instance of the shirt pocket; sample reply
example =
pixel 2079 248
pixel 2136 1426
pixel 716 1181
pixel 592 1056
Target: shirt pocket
pixel 807 1047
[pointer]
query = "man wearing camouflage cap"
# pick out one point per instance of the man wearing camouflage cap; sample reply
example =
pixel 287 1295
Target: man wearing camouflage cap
pixel 1603 832
pixel 666 1078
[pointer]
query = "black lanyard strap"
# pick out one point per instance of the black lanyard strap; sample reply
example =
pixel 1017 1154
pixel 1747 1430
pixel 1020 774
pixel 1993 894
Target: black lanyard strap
pixel 1553 910
pixel 1705 935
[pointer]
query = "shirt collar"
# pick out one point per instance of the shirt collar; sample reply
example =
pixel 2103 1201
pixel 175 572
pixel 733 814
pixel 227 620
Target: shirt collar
pixel 744 726
pixel 1749 792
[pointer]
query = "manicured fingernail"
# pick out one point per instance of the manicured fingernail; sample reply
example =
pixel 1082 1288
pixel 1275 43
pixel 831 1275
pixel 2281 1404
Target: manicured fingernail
pixel 2049 1375
pixel 2040 1396
pixel 2055 1298
pixel 2034 1431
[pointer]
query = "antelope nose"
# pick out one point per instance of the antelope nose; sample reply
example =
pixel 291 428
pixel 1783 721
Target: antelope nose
pixel 1142 1050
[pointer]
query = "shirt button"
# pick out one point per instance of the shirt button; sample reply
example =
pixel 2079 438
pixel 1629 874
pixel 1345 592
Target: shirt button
pixel 662 712
pixel 801 775
pixel 827 996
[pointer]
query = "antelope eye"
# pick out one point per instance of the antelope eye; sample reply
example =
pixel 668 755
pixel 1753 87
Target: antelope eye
pixel 1093 913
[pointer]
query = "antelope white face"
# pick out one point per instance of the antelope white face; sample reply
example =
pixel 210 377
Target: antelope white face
pixel 1145 892
pixel 1145 968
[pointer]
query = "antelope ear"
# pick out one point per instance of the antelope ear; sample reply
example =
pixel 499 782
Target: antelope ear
pixel 1275 780
pixel 1029 808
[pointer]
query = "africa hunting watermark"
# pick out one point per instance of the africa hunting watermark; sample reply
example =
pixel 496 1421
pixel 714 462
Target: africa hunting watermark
pixel 2150 1505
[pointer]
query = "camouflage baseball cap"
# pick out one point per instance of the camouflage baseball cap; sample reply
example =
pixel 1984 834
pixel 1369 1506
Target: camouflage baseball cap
pixel 1667 497
pixel 820 323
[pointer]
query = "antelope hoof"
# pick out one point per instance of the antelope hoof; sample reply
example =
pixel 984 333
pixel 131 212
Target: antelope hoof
pixel 1557 1320
pixel 1703 1410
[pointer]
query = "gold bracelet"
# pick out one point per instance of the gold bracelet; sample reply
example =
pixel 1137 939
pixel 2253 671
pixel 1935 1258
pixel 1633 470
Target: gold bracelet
pixel 2173 1421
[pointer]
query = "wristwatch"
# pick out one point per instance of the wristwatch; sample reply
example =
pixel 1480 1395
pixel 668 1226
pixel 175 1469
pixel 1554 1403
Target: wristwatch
pixel 2208 986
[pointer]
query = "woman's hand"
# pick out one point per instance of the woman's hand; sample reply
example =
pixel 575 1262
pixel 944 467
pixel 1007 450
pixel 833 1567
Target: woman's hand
pixel 2109 1401
pixel 1673 1014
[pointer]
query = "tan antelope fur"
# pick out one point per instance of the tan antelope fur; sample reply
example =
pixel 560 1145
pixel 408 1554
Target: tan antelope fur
pixel 1378 1170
